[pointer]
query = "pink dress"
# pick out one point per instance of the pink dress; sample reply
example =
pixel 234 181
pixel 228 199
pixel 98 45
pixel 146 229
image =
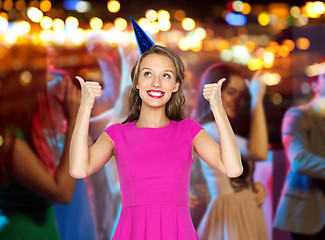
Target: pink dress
pixel 154 166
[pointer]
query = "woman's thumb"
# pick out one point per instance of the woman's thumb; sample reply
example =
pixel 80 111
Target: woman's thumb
pixel 81 81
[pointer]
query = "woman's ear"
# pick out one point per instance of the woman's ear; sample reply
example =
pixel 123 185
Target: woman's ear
pixel 176 87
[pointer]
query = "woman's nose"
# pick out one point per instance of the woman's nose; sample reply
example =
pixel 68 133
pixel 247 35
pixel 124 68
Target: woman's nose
pixel 156 82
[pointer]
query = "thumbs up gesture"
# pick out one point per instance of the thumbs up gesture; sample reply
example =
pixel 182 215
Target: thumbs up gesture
pixel 90 91
pixel 212 93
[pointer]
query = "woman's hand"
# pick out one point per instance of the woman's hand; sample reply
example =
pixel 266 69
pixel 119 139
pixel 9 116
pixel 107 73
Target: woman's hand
pixel 193 201
pixel 257 86
pixel 90 91
pixel 212 93
pixel 260 193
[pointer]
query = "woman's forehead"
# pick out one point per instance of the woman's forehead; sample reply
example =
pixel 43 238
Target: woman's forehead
pixel 236 82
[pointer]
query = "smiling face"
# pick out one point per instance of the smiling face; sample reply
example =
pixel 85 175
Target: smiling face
pixel 156 80
pixel 234 95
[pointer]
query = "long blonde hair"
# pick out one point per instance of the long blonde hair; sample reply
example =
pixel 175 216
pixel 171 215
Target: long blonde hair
pixel 174 107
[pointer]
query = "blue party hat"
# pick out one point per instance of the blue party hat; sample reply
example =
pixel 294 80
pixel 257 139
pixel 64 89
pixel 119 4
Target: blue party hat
pixel 143 40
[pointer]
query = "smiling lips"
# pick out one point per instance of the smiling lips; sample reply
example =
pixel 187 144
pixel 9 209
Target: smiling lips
pixel 155 94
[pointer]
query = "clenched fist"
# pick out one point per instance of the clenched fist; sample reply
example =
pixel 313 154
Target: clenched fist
pixel 212 93
pixel 90 91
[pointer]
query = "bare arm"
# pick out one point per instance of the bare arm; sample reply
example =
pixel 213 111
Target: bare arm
pixel 257 146
pixel 226 156
pixel 28 168
pixel 84 161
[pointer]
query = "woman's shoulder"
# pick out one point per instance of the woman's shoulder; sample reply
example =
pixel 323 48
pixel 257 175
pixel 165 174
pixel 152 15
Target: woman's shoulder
pixel 188 122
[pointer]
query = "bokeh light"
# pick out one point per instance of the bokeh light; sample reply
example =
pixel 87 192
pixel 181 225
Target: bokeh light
pixel 34 14
pixel 188 24
pixel 120 24
pixel 45 5
pixel 71 23
pixel 151 15
pixel 96 23
pixel 302 43
pixel 113 6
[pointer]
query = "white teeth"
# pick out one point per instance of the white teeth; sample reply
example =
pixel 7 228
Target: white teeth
pixel 157 94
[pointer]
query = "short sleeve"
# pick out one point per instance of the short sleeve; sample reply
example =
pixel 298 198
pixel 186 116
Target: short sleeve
pixel 193 126
pixel 111 131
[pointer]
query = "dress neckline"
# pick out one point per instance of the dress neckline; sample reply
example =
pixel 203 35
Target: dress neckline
pixel 134 125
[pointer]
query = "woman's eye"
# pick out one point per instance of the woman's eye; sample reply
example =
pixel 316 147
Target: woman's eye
pixel 166 75
pixel 147 74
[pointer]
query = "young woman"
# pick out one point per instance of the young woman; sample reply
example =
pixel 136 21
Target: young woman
pixel 28 186
pixel 154 148
pixel 235 211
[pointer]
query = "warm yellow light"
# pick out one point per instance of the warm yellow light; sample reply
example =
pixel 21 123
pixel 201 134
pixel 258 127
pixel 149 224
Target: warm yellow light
pixel 250 45
pixel 25 78
pixel 246 8
pixel 179 15
pixel 34 4
pixel 268 57
pixel 1 140
pixel 295 11
pixel 45 5
pixel 272 79
pixel 144 23
pixel 120 24
pixel 164 24
pixel 154 27
pixel 46 22
pixel 4 15
pixel 23 27
pixel 302 20
pixel 10 37
pixel 59 37
pixel 163 14
pixel 283 51
pixel 222 45
pixel 302 43
pixel 78 37
pixel 183 44
pixel 71 23
pixel 255 64
pixel 113 6
pixel 46 35
pixel 34 14
pixel 311 10
pixel 277 98
pixel 58 24
pixel 188 24
pixel 151 15
pixel 8 5
pixel 319 7
pixel 289 44
pixel 20 5
pixel 96 23
pixel 200 33
pixel 263 19
pixel 3 23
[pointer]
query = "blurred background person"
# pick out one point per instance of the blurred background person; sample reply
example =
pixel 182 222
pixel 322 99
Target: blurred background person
pixel 72 223
pixel 199 194
pixel 234 211
pixel 301 210
pixel 104 185
pixel 29 183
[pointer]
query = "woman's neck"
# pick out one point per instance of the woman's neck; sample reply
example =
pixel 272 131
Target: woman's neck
pixel 152 118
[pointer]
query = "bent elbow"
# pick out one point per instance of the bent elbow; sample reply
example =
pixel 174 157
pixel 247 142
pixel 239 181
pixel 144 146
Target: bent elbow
pixel 235 173
pixel 77 174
